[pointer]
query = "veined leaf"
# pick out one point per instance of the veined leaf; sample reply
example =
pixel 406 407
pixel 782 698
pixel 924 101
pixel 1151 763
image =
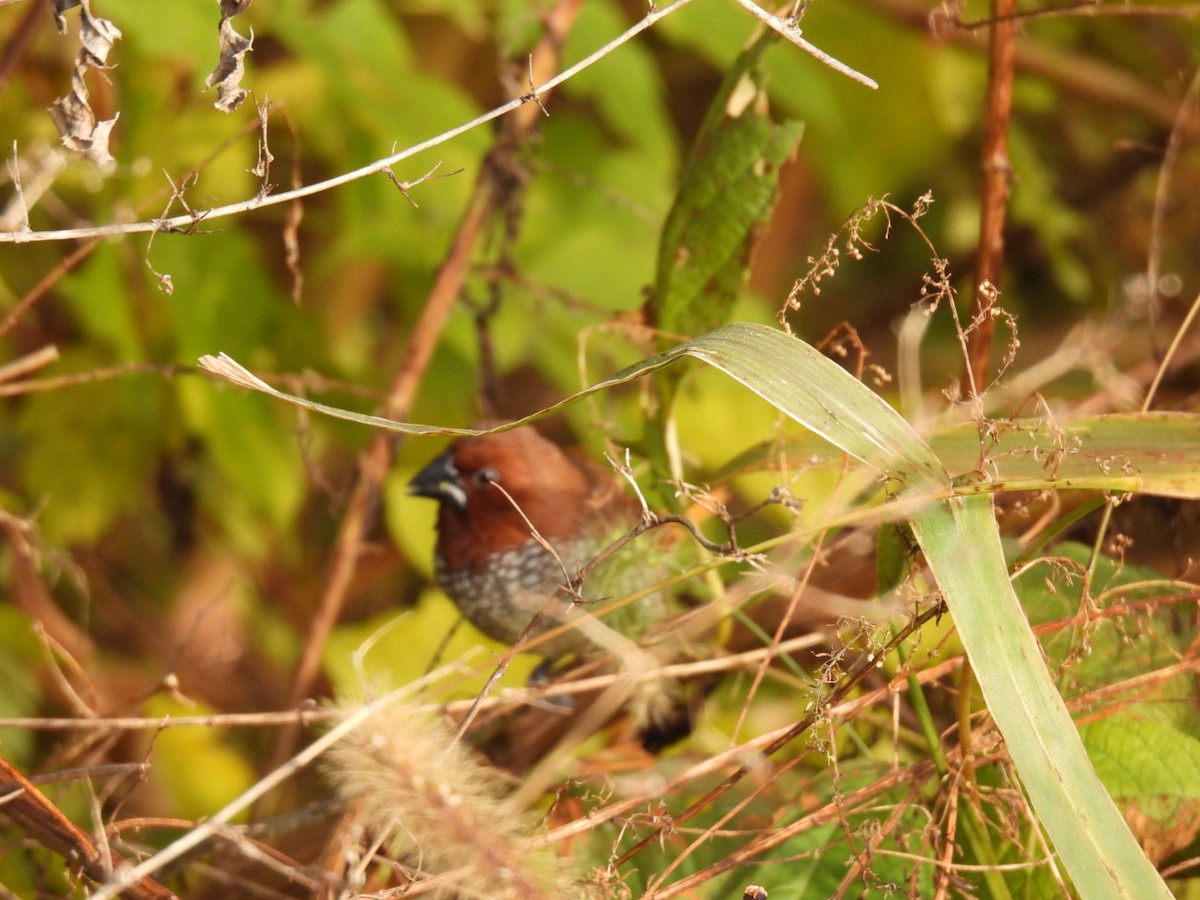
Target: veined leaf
pixel 726 193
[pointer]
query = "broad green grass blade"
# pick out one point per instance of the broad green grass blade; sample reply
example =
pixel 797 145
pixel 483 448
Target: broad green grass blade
pixel 962 545
pixel 824 397
pixel 1159 450
pixel 1156 453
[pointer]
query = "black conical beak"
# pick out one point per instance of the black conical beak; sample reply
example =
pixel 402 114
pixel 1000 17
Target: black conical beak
pixel 439 481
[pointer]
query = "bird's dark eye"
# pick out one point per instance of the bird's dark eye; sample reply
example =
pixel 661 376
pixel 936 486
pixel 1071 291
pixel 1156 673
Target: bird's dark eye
pixel 486 476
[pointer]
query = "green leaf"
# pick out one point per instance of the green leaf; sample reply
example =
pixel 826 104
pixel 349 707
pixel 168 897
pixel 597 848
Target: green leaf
pixel 100 300
pixel 1114 651
pixel 961 543
pixel 822 396
pixel 1138 757
pixel 95 445
pixel 726 195
pixel 180 754
pixel 1153 769
pixel 252 450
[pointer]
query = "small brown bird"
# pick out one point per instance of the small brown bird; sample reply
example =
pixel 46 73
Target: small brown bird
pixel 496 491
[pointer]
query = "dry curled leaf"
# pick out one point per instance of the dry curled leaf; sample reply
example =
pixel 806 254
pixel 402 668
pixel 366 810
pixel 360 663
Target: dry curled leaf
pixel 73 114
pixel 227 76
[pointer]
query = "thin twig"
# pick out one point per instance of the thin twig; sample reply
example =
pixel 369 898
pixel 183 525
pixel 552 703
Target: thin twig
pixel 1086 9
pixel 38 385
pixel 379 165
pixel 789 27
pixel 30 362
pixel 220 819
pixel 819 709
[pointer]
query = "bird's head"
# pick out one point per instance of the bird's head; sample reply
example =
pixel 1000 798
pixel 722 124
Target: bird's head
pixel 492 488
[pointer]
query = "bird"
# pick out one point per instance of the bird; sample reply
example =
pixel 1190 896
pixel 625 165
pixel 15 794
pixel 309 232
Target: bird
pixel 518 518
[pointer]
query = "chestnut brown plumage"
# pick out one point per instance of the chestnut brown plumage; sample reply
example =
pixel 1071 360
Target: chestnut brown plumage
pixel 498 494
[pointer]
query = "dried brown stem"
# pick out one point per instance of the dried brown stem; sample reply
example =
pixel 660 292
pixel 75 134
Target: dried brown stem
pixel 830 812
pixel 30 810
pixel 41 385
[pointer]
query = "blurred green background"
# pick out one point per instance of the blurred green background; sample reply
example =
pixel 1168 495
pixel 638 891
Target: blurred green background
pixel 181 526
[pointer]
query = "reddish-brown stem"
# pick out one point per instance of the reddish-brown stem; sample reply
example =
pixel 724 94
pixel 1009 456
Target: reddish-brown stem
pixel 997 177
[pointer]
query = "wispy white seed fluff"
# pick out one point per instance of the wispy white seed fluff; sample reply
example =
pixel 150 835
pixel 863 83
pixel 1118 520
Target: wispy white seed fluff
pixel 439 809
